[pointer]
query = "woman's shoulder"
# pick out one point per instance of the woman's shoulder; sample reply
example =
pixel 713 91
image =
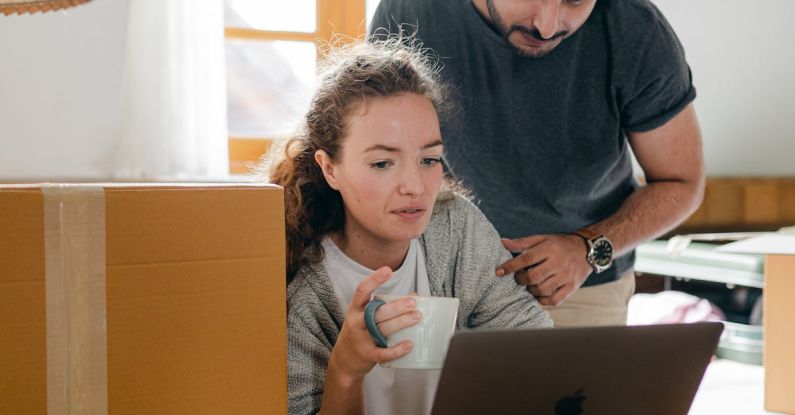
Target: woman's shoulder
pixel 298 291
pixel 310 297
pixel 452 201
pixel 456 208
pixel 301 295
pixel 455 219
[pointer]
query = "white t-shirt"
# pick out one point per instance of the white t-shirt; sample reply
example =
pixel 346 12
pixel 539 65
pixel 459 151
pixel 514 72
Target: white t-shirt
pixel 386 390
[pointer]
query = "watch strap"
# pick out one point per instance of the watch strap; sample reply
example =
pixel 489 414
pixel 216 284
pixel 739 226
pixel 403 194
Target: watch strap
pixel 586 234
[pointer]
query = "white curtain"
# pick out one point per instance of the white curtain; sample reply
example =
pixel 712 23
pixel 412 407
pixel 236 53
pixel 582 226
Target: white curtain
pixel 174 92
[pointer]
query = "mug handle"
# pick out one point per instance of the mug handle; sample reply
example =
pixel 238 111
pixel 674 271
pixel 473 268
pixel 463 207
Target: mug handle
pixel 369 321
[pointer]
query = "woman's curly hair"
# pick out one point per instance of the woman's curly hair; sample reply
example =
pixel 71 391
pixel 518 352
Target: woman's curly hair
pixel 349 75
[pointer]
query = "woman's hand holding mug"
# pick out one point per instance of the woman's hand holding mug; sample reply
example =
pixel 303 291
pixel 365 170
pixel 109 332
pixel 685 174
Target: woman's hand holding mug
pixel 355 352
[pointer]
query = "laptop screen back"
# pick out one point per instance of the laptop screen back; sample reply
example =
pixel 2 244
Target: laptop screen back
pixel 595 370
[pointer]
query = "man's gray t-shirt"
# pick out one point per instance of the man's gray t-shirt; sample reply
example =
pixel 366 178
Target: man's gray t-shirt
pixel 541 141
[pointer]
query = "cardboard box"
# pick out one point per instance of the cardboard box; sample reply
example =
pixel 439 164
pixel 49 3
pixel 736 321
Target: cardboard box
pixel 142 299
pixel 779 326
pixel 779 316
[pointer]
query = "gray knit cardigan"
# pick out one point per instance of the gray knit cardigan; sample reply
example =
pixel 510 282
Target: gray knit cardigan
pixel 462 250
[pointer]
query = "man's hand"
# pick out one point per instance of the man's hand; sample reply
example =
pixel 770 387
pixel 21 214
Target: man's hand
pixel 551 266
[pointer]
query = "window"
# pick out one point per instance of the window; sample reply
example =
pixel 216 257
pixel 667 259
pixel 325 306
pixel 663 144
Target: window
pixel 370 6
pixel 271 59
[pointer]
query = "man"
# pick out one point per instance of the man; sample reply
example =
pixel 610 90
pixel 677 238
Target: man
pixel 551 96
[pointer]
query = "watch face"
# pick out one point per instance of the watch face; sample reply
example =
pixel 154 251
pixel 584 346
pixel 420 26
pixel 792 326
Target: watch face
pixel 602 252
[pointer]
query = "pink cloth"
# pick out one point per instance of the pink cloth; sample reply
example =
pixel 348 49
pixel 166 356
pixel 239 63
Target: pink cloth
pixel 671 307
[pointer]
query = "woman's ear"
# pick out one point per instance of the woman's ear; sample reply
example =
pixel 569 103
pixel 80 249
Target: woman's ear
pixel 327 166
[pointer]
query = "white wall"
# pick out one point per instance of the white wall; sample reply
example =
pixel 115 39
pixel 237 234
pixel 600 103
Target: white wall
pixel 60 86
pixel 60 91
pixel 742 54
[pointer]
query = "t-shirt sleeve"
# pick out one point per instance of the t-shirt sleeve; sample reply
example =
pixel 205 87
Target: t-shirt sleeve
pixel 661 85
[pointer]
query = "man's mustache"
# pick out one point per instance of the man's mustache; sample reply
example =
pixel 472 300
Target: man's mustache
pixel 535 33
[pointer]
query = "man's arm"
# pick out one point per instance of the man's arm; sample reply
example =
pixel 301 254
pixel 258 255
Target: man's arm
pixel 672 161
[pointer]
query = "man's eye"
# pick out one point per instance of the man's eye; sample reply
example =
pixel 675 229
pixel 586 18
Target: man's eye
pixel 380 165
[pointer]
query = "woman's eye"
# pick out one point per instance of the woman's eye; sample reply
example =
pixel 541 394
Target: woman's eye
pixel 431 161
pixel 380 165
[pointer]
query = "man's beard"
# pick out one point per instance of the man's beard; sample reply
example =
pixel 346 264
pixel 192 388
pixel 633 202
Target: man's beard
pixel 506 32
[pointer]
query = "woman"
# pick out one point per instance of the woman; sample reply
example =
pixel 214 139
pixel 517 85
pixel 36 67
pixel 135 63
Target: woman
pixel 365 214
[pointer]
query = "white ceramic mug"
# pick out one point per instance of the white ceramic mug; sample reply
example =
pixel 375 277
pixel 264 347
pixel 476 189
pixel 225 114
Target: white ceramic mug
pixel 430 336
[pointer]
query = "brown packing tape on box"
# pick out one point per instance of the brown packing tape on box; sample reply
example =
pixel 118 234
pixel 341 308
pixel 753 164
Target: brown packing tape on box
pixel 74 250
pixel 194 299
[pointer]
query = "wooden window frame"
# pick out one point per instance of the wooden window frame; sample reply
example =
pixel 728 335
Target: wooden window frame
pixel 343 20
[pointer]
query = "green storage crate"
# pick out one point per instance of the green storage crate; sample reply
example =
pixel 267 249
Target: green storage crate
pixel 741 343
pixel 701 261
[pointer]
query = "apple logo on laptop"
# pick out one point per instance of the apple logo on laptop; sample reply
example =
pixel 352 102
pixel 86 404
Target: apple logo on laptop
pixel 570 405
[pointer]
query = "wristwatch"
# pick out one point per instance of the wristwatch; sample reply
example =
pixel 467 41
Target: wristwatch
pixel 600 250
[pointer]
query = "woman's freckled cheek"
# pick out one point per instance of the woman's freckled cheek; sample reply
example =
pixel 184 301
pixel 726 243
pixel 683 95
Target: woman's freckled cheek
pixel 368 191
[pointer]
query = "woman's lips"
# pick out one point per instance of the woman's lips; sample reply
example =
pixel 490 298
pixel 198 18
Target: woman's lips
pixel 410 213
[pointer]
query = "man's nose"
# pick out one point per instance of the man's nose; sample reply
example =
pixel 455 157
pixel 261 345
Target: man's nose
pixel 546 20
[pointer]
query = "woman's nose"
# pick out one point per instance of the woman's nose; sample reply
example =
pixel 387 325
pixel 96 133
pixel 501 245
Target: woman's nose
pixel 411 182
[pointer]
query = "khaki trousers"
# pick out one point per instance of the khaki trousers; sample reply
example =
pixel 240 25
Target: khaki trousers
pixel 598 305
